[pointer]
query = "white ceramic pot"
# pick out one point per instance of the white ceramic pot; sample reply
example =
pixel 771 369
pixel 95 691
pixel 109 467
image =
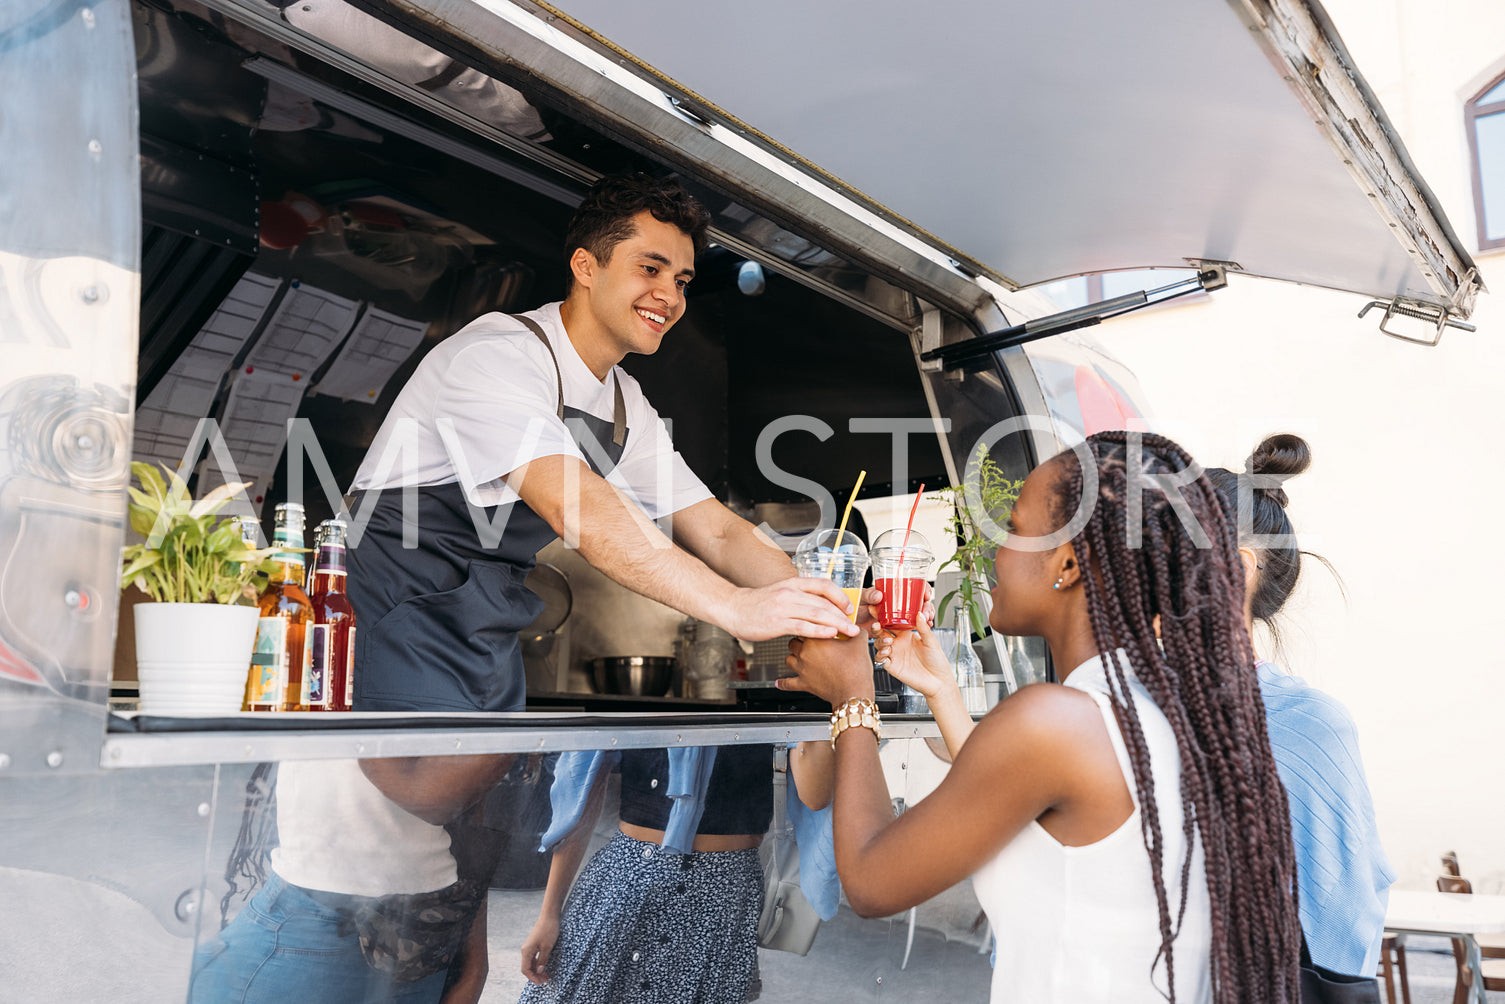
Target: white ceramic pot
pixel 193 658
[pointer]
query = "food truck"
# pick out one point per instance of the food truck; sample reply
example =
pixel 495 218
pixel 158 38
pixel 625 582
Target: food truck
pixel 230 229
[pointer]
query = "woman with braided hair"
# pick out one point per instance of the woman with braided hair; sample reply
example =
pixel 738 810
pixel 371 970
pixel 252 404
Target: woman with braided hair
pixel 1343 875
pixel 1126 829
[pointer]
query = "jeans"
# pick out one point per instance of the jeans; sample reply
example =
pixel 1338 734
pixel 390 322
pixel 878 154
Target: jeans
pixel 284 947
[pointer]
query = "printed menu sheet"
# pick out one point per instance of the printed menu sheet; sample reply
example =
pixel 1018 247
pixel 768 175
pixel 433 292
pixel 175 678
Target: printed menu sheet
pixel 166 420
pixel 378 345
pixel 306 327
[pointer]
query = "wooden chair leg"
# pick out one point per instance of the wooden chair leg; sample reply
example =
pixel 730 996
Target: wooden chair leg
pixel 1400 968
pixel 1460 989
pixel 1385 973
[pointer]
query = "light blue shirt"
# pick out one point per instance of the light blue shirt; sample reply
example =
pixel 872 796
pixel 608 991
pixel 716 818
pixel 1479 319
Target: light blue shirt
pixel 576 773
pixel 689 776
pixel 1342 873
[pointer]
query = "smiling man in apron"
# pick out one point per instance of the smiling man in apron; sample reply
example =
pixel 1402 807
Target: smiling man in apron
pixel 520 428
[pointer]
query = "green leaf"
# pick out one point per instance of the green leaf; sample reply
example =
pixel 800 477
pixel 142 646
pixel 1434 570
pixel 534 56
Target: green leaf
pixel 150 480
pixel 215 500
pixel 145 559
pixel 142 519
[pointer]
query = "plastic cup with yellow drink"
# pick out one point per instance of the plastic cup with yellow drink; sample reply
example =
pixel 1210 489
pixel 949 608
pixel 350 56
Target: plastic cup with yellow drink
pixel 838 555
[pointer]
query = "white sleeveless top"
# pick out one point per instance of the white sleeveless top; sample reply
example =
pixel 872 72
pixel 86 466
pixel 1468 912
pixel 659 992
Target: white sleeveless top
pixel 1080 924
pixel 338 833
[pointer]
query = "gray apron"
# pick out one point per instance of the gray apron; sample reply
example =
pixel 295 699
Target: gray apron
pixel 436 625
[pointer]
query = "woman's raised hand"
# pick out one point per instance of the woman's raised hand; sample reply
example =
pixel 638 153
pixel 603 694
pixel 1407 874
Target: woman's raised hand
pixel 835 669
pixel 915 658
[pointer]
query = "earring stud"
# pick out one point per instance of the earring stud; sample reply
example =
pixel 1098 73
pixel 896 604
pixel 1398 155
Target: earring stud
pixel 1058 582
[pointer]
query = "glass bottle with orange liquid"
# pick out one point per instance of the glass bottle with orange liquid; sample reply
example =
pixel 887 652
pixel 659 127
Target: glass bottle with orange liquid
pixel 279 663
pixel 331 676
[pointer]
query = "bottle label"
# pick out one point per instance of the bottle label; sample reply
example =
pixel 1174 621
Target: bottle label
pixel 269 662
pixel 317 652
pixel 288 536
pixel 350 669
pixel 331 559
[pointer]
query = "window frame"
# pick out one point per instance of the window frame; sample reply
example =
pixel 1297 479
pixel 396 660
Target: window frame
pixel 1472 112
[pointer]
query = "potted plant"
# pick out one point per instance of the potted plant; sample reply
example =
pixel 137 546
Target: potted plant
pixel 979 507
pixel 193 644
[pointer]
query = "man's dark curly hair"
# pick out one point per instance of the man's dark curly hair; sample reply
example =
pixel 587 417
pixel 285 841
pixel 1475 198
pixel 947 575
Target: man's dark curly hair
pixel 604 218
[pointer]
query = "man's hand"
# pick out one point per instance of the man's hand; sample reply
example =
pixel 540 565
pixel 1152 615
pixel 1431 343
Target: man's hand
pixel 806 608
pixel 538 946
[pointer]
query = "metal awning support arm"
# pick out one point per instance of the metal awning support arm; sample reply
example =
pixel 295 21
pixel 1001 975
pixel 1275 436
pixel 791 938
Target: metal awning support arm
pixel 968 354
pixel 1429 312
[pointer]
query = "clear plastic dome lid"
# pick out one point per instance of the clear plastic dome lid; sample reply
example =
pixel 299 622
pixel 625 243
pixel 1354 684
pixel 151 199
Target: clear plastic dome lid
pixel 893 540
pixel 825 541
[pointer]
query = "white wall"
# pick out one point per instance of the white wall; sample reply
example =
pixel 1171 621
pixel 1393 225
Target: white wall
pixel 1407 481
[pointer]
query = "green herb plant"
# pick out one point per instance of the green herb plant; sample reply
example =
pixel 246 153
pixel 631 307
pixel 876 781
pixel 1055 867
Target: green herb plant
pixel 188 556
pixel 979 505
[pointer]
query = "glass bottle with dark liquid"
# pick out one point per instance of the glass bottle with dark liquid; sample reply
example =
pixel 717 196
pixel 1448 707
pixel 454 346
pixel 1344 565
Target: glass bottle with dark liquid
pixel 331 676
pixel 279 663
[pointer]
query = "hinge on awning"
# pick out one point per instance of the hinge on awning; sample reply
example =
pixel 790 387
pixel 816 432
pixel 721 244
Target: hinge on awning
pixel 972 353
pixel 1441 317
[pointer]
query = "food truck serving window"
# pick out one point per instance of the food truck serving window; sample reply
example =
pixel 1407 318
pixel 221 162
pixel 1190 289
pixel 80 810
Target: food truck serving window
pixel 308 236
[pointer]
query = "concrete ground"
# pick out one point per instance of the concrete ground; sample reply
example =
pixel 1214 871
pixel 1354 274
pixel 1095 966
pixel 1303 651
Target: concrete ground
pixel 852 960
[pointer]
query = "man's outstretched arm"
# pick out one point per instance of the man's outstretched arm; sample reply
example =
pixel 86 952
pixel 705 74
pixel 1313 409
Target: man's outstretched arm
pixel 614 535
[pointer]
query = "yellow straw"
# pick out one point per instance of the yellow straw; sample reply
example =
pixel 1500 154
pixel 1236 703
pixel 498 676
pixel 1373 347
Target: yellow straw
pixel 841 531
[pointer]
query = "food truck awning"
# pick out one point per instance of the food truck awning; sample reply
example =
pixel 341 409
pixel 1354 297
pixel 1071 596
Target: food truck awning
pixel 1032 141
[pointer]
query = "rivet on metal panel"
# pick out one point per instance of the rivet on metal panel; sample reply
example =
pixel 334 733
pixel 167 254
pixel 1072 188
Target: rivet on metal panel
pixel 248 749
pixel 613 738
pixel 55 759
pixel 360 748
pixel 203 809
pixel 736 735
pixel 679 739
pixel 96 147
pixel 88 18
pixel 90 294
pixel 187 904
pixel 878 980
pixel 457 744
pixel 5 759
pixel 788 734
pixel 540 742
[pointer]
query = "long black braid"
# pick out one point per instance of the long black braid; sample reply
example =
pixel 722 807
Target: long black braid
pixel 1201 676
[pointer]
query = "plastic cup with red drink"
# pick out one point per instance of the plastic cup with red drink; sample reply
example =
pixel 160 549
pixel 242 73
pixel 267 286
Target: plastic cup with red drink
pixel 901 561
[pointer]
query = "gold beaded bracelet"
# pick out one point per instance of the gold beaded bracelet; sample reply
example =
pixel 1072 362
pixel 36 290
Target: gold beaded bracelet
pixel 859 712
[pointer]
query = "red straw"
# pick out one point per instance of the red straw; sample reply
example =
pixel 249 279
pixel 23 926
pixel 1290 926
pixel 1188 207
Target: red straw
pixel 899 571
pixel 912 510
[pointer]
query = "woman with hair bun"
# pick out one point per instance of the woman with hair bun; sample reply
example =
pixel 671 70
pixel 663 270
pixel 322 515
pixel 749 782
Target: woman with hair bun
pixel 1343 875
pixel 1126 829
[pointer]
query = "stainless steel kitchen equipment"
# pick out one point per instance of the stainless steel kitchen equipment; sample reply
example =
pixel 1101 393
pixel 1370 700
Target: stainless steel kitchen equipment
pixel 635 675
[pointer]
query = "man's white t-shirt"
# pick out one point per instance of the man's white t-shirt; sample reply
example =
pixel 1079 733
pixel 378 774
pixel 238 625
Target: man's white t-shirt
pixel 484 402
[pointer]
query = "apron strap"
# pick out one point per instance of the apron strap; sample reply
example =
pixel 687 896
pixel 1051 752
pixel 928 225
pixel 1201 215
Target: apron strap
pixel 619 406
pixel 533 326
pixel 618 414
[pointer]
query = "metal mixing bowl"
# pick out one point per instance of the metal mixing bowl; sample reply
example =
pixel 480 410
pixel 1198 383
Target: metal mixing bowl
pixel 637 675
